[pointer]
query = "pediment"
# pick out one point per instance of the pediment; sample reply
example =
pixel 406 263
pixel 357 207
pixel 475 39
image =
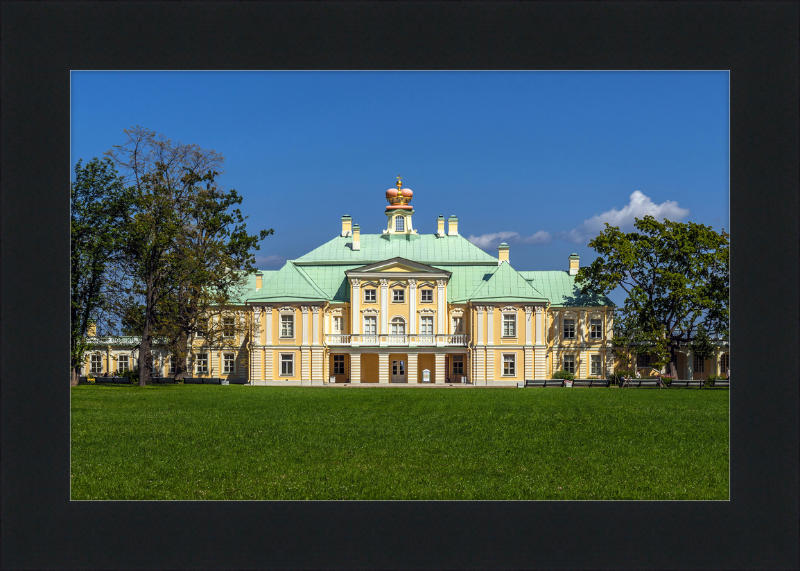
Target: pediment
pixel 398 267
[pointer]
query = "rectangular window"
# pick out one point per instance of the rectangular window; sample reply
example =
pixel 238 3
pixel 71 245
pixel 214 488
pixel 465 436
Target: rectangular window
pixel 642 360
pixel 337 324
pixel 370 325
pixel 569 363
pixel 509 364
pixel 201 362
pixel 338 364
pixel 201 329
pixel 370 296
pixel 122 362
pixel 287 325
pixel 96 364
pixel 596 367
pixel 287 364
pixel 227 327
pixel 227 363
pixel 399 224
pixel 458 325
pixel 509 325
pixel 596 329
pixel 398 295
pixel 724 363
pixel 569 329
pixel 458 364
pixel 699 364
pixel 426 325
pixel 426 295
pixel 172 361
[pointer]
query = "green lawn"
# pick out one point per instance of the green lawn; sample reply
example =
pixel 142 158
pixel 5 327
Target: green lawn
pixel 241 442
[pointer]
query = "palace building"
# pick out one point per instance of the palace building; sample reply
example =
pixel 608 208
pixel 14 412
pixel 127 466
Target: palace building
pixel 401 307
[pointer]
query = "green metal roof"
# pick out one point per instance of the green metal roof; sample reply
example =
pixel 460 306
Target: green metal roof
pixel 465 280
pixel 332 280
pixel 424 248
pixel 249 287
pixel 506 284
pixel 560 288
pixel 290 283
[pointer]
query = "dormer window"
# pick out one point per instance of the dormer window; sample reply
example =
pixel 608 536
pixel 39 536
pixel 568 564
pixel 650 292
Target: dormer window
pixel 399 224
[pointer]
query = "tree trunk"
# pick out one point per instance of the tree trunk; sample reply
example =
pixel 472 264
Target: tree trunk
pixel 673 370
pixel 74 376
pixel 145 354
pixel 181 367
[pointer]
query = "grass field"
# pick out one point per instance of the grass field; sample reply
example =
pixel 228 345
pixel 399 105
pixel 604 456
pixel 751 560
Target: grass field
pixel 265 443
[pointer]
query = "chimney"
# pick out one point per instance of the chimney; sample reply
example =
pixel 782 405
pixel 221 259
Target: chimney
pixel 452 225
pixel 356 237
pixel 259 281
pixel 347 225
pixel 440 224
pixel 573 264
pixel 502 253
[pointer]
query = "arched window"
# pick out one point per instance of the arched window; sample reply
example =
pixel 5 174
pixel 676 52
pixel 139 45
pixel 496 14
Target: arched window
pixel 399 224
pixel 398 326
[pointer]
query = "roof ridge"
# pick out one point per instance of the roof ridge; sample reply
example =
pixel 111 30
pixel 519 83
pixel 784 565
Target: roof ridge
pixel 309 280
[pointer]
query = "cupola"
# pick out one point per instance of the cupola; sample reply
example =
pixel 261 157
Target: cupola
pixel 399 211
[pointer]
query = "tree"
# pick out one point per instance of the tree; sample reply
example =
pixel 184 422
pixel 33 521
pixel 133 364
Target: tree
pixel 162 266
pixel 701 344
pixel 676 277
pixel 97 200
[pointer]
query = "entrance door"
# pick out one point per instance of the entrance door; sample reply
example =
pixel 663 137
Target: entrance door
pixel 398 371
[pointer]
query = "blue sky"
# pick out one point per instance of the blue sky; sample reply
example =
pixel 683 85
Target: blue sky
pixel 536 159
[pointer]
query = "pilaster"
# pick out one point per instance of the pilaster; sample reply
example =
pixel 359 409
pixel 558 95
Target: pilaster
pixel 305 365
pixel 304 309
pixel 528 362
pixel 315 337
pixel 355 367
pixel 383 368
pixel 412 306
pixel 413 365
pixel 540 362
pixel 355 301
pixel 528 315
pixel 268 324
pixel 489 361
pixel 539 327
pixel 384 318
pixel 490 325
pixel 440 372
pixel 440 307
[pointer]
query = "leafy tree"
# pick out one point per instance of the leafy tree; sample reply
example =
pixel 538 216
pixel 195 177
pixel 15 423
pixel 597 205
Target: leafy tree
pixel 97 201
pixel 701 344
pixel 676 277
pixel 183 251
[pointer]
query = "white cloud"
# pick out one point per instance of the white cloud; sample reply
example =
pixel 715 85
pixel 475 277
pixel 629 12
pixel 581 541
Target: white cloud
pixel 638 207
pixel 271 260
pixel 487 241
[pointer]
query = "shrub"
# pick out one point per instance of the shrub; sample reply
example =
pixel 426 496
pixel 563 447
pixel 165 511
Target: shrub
pixel 564 375
pixel 710 380
pixel 133 375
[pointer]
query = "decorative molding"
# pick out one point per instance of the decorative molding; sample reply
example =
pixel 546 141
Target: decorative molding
pixel 366 283
pixel 401 284
pixel 370 311
pixel 355 282
pixel 337 311
pixel 427 310
pixel 441 283
pixel 257 316
pixel 315 309
pixel 528 309
pixel 412 283
pixel 490 308
pixel 538 309
pixel 457 312
pixel 287 309
pixel 480 308
pixel 427 284
pixel 384 282
pixel 509 309
pixel 267 309
pixel 304 308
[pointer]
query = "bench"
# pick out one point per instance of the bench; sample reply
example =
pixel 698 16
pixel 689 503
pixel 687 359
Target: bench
pixel 721 383
pixel 212 381
pixel 590 383
pixel 238 381
pixel 643 383
pixel 192 381
pixel 122 380
pixel 685 383
pixel 162 380
pixel 99 379
pixel 544 382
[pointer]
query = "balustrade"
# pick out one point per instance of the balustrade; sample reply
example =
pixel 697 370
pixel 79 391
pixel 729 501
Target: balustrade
pixel 397 340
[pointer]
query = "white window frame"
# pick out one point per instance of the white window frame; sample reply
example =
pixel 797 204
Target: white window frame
pixel 595 359
pixel 120 358
pixel 595 328
pixel 228 326
pixel 337 324
pixel 401 293
pixel 426 293
pixel 512 319
pixel 725 362
pixel 202 326
pixel 370 320
pixel 370 295
pixel 338 364
pixel 513 368
pixel 458 324
pixel 287 318
pixel 397 320
pixel 201 363
pixel 426 324
pixel 289 362
pixel 399 224
pixel 569 334
pixel 228 364
pixel 460 360
pixel 97 360
pixel 573 359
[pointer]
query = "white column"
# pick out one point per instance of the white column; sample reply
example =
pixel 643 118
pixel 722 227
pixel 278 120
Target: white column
pixel 689 364
pixel 490 325
pixel 440 307
pixel 355 368
pixel 556 328
pixel 355 299
pixel 268 324
pixel 582 322
pixel 384 306
pixel 304 309
pixel 315 338
pixel 441 376
pixel 383 368
pixel 268 367
pixel 412 307
pixel 539 314
pixel 528 315
pixel 479 340
pixel 411 371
